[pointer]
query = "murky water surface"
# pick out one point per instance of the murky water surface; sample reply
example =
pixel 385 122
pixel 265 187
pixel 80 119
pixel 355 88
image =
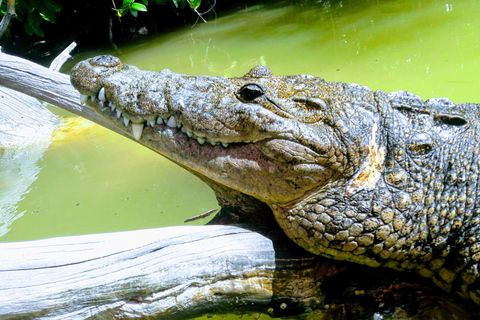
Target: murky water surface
pixel 92 180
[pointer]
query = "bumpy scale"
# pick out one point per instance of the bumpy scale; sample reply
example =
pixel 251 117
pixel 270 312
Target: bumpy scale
pixel 385 180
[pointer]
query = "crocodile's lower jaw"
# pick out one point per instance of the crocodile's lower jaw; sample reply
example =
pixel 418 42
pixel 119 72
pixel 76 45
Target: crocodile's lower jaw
pixel 108 109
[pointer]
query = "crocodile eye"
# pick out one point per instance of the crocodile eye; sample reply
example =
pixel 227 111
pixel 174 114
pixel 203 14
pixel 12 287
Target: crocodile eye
pixel 250 92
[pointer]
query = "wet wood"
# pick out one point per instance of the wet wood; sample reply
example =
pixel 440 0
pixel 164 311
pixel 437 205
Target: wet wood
pixel 186 272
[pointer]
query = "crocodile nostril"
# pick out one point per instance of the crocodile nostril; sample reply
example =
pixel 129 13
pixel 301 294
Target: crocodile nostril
pixel 250 92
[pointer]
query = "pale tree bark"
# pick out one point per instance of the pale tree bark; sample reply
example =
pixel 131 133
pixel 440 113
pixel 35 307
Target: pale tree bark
pixel 9 14
pixel 185 272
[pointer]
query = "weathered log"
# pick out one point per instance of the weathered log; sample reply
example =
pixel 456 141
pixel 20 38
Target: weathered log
pixel 46 85
pixel 184 272
pixel 176 272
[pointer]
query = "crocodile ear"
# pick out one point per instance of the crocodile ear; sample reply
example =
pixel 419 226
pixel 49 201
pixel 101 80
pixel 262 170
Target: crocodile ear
pixel 308 110
pixel 420 143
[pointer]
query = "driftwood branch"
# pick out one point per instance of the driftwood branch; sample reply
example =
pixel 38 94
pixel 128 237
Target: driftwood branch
pixel 173 273
pixel 185 272
pixel 46 85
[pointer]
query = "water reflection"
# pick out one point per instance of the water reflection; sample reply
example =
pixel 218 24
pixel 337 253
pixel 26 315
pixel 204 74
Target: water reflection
pixel 25 134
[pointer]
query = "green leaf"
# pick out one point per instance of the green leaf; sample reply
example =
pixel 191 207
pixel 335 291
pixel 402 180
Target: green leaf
pixel 126 3
pixel 134 12
pixel 175 2
pixel 52 5
pixel 38 31
pixel 49 16
pixel 145 2
pixel 139 7
pixel 21 5
pixel 20 12
pixel 32 6
pixel 46 14
pixel 28 29
pixel 182 4
pixel 34 19
pixel 194 4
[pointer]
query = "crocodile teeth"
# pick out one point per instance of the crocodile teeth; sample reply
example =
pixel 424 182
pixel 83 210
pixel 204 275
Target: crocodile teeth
pixel 112 106
pixel 189 134
pixel 213 143
pixel 137 129
pixel 83 98
pixel 119 114
pixel 200 140
pixel 126 121
pixel 160 120
pixel 225 145
pixel 101 95
pixel 151 123
pixel 171 122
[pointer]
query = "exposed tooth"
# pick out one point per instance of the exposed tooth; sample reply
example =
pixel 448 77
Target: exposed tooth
pixel 159 120
pixel 189 134
pixel 179 125
pixel 92 98
pixel 101 95
pixel 112 106
pixel 200 140
pixel 184 130
pixel 213 143
pixel 224 145
pixel 83 98
pixel 171 122
pixel 137 130
pixel 119 113
pixel 151 123
pixel 126 121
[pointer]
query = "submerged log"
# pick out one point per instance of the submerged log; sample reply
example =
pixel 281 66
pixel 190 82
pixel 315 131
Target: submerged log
pixel 186 272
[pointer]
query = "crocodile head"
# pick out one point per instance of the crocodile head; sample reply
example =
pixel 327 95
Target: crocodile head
pixel 276 139
pixel 385 180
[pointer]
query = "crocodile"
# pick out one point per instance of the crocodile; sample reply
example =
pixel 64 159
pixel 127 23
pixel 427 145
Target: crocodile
pixel 380 179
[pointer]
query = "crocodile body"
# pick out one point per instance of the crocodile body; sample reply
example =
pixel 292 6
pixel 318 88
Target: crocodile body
pixel 385 180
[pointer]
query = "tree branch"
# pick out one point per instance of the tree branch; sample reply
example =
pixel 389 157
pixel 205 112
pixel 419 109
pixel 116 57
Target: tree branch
pixel 46 85
pixel 9 14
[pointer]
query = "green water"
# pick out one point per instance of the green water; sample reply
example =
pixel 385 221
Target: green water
pixel 97 181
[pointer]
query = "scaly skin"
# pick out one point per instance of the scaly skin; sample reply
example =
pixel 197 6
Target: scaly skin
pixel 385 180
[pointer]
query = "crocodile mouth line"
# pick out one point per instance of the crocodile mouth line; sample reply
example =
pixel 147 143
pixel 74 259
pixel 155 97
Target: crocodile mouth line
pixel 100 102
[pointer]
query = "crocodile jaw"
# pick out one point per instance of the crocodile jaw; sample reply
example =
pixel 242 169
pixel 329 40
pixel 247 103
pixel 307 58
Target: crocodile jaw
pixel 236 165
